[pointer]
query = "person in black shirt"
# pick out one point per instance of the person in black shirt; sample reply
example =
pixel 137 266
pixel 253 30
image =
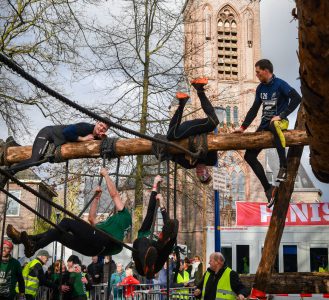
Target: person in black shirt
pixel 95 270
pixel 219 278
pixel 58 135
pixel 178 130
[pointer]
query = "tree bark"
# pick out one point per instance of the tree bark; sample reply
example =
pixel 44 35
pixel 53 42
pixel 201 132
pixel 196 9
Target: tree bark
pixel 277 223
pixel 293 283
pixel 314 72
pixel 139 146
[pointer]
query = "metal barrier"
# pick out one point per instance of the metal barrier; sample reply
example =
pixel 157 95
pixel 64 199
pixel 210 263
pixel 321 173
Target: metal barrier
pixel 128 292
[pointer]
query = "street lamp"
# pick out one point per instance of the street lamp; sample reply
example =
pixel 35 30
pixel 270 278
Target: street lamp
pixel 220 113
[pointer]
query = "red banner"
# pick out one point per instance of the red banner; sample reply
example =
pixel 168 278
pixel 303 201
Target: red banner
pixel 299 214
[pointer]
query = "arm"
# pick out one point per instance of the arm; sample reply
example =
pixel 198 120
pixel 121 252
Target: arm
pixel 112 190
pixel 295 100
pixel 237 285
pixel 197 292
pixel 252 113
pixel 94 205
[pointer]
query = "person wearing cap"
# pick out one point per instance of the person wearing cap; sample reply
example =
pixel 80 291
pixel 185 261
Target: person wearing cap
pixel 178 130
pixel 34 276
pixel 10 274
pixel 80 236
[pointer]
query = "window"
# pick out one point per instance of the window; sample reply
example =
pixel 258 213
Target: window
pixel 228 115
pixel 241 185
pixel 242 259
pixel 227 45
pixel 235 116
pixel 319 259
pixel 13 207
pixel 227 252
pixel 290 258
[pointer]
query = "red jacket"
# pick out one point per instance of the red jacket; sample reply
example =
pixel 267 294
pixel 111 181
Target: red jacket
pixel 129 283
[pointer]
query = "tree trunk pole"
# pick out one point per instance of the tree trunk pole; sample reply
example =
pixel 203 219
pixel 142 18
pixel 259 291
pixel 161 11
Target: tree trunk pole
pixel 137 146
pixel 277 223
pixel 314 72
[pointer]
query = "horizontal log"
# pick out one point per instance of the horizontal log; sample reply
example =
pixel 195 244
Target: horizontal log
pixel 293 283
pixel 124 147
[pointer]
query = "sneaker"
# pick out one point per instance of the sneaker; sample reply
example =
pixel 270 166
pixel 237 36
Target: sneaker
pixel 14 234
pixel 29 245
pixel 169 232
pixel 271 195
pixel 150 258
pixel 199 83
pixel 182 96
pixel 282 175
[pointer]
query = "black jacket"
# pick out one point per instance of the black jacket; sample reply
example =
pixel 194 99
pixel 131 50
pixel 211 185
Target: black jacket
pixel 211 287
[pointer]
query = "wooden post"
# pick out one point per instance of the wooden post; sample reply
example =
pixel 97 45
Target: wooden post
pixel 137 146
pixel 277 223
pixel 313 55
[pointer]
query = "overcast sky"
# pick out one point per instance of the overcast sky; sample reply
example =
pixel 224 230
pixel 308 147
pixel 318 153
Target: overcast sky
pixel 279 44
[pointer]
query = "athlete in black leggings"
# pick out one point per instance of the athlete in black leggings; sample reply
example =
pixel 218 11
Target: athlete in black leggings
pixel 57 135
pixel 153 251
pixel 178 130
pixel 80 236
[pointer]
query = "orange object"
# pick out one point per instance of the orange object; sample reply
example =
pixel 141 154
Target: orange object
pixel 202 80
pixel 182 96
pixel 257 294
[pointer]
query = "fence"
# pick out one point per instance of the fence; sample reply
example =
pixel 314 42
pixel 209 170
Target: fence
pixel 128 292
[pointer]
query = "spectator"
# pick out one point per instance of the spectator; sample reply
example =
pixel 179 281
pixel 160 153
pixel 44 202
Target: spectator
pixel 55 276
pixel 163 276
pixel 220 282
pixel 116 278
pixel 76 279
pixel 197 271
pixel 109 268
pixel 34 276
pixel 187 266
pixel 181 280
pixel 129 283
pixel 95 270
pixel 10 274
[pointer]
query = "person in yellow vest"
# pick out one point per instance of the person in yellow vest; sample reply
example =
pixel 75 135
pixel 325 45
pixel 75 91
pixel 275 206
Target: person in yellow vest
pixel 220 282
pixel 34 276
pixel 181 279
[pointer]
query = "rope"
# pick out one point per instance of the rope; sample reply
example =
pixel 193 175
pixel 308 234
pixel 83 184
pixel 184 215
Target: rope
pixel 30 209
pixel 16 68
pixel 4 223
pixel 73 216
pixel 168 194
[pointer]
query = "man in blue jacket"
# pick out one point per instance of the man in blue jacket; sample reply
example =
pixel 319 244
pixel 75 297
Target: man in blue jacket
pixel 279 100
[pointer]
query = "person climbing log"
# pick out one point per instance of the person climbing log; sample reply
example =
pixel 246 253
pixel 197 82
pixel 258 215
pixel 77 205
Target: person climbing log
pixel 178 130
pixel 279 100
pixel 57 135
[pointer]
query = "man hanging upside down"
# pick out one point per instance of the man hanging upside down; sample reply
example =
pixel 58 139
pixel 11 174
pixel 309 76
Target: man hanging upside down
pixel 57 135
pixel 80 236
pixel 153 253
pixel 178 130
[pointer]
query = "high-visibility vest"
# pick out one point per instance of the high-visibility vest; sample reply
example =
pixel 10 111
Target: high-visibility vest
pixel 224 290
pixel 31 282
pixel 181 279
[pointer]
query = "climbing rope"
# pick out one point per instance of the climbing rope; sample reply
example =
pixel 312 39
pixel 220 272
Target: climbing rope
pixel 4 223
pixel 70 214
pixel 19 70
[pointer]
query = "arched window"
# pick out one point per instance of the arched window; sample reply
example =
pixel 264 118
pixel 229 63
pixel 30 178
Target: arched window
pixel 236 116
pixel 228 115
pixel 227 45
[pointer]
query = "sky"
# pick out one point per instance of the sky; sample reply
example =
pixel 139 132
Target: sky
pixel 279 43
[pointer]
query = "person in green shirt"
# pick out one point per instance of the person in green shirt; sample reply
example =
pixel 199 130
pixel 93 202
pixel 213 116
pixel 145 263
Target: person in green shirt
pixel 10 274
pixel 80 236
pixel 153 250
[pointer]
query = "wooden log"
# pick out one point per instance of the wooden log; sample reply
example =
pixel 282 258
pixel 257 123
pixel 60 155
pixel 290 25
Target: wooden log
pixel 277 223
pixel 314 72
pixel 141 146
pixel 293 283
